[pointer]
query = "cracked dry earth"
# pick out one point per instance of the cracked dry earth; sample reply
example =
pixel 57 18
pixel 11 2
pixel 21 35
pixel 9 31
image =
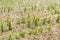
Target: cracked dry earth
pixel 53 34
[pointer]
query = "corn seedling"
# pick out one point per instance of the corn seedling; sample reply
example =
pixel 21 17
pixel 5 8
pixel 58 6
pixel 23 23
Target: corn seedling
pixel 30 32
pixel 1 8
pixel 18 20
pixel 22 34
pixel 49 28
pixel 28 15
pixel 48 21
pixel 9 23
pixel 51 6
pixel 9 7
pixel 58 19
pixel 57 12
pixel 34 7
pixel 28 21
pixel 25 9
pixel 23 20
pixel 17 36
pixel 44 20
pixel 35 31
pixel 41 29
pixel 36 20
pixel 1 25
pixel 10 36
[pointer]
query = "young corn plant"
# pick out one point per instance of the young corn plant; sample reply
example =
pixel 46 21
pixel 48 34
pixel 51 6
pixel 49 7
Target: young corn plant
pixel 48 21
pixel 30 32
pixel 22 34
pixel 28 21
pixel 28 16
pixel 9 23
pixel 57 11
pixel 17 36
pixel 1 25
pixel 9 8
pixel 52 6
pixel 18 20
pixel 44 21
pixel 34 7
pixel 58 19
pixel 10 36
pixel 25 9
pixel 23 20
pixel 41 29
pixel 35 31
pixel 49 28
pixel 36 20
pixel 59 26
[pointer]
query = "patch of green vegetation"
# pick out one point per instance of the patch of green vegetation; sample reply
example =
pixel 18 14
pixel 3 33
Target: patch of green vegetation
pixel 22 34
pixel 28 23
pixel 57 12
pixel 41 29
pixel 17 36
pixel 52 6
pixel 28 20
pixel 48 21
pixel 44 21
pixel 9 8
pixel 30 32
pixel 18 20
pixel 49 28
pixel 25 9
pixel 35 20
pixel 33 32
pixel 34 7
pixel 23 20
pixel 10 36
pixel 58 19
pixel 9 23
pixel 1 25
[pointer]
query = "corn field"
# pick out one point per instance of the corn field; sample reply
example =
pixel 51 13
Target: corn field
pixel 29 19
